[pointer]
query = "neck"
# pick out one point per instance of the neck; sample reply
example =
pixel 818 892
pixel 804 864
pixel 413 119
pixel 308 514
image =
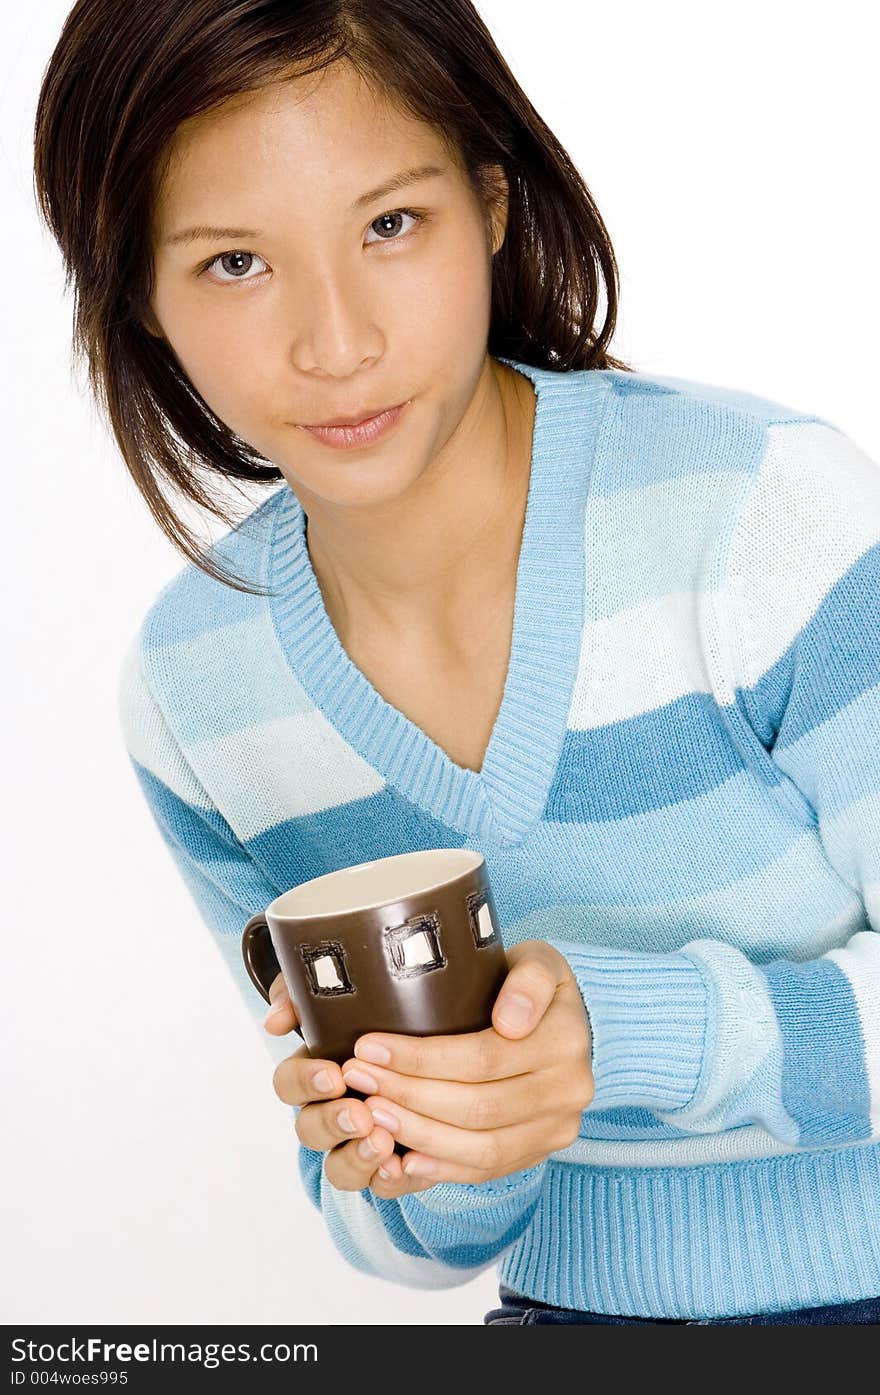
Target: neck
pixel 416 565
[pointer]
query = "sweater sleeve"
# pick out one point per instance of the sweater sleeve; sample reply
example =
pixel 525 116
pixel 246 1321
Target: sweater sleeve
pixel 703 1037
pixel 437 1238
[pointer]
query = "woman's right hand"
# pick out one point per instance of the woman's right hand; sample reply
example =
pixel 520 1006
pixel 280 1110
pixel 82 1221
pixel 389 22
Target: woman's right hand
pixel 316 1086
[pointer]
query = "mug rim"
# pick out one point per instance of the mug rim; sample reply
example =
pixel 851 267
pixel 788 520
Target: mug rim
pixel 360 871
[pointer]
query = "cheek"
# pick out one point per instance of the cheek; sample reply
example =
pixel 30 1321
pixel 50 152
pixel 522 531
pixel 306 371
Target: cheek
pixel 449 297
pixel 221 370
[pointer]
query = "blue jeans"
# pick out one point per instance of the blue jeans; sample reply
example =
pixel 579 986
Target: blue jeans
pixel 518 1311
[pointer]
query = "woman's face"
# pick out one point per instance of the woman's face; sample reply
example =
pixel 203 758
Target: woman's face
pixel 336 302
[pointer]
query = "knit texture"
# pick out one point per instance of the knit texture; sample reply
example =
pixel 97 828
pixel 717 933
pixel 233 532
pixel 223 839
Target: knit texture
pixel 681 794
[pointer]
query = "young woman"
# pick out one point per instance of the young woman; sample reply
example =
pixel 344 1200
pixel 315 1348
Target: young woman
pixel 617 631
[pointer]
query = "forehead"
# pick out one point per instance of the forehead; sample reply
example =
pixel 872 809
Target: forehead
pixel 329 128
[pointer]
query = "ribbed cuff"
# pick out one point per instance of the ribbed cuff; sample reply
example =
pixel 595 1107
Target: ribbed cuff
pixel 469 1224
pixel 509 1190
pixel 649 1015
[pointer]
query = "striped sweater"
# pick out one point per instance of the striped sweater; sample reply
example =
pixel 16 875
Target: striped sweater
pixel 681 794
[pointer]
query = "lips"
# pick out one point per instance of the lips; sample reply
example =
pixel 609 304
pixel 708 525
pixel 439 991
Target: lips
pixel 351 421
pixel 362 433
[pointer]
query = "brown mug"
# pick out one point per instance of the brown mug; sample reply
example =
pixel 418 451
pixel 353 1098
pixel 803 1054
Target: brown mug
pixel 406 944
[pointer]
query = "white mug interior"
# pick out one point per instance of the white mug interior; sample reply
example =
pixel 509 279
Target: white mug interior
pixel 368 885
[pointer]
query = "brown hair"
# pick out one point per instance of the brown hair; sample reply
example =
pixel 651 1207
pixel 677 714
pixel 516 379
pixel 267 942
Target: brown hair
pixel 121 80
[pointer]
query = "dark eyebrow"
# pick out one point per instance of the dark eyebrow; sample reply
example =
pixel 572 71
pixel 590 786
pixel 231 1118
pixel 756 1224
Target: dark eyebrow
pixel 398 181
pixel 205 232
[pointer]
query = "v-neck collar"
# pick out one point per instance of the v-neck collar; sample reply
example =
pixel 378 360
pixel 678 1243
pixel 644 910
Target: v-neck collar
pixel 501 802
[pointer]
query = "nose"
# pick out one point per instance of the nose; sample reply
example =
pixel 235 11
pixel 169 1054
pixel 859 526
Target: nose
pixel 334 326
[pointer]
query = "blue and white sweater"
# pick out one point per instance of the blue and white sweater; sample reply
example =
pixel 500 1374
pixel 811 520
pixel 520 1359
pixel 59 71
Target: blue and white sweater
pixel 681 793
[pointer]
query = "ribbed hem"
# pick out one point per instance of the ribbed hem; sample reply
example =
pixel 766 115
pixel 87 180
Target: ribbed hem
pixel 797 1231
pixel 649 1016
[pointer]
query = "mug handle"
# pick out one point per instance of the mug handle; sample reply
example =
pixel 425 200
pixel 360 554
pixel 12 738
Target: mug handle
pixel 260 958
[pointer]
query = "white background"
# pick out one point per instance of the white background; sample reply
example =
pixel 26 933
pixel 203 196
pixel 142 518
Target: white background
pixel 148 1168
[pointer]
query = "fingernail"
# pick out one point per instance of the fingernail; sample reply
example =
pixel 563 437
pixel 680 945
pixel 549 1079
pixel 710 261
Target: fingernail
pixel 343 1119
pixel 282 1001
pixel 366 1149
pixel 323 1081
pixel 359 1080
pixel 515 1011
pixel 372 1052
pixel 386 1119
pixel 419 1167
pixel 383 1172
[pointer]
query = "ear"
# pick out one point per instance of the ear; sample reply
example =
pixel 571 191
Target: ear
pixel 151 325
pixel 496 192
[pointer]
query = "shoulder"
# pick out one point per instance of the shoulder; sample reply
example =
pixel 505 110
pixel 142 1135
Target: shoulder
pixel 176 634
pixel 756 458
pixel 687 394
pixel 668 426
pixel 810 516
pixel 192 602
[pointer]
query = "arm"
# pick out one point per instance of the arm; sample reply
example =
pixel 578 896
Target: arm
pixel 437 1238
pixel 704 1037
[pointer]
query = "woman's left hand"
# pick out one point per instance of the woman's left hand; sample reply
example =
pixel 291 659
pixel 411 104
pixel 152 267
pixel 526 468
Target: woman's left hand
pixel 477 1105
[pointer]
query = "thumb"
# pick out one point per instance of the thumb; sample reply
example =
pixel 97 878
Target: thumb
pixel 528 990
pixel 281 1017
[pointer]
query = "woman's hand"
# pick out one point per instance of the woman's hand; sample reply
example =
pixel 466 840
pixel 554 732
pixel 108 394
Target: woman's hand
pixel 471 1106
pixel 346 1131
pixel 478 1105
